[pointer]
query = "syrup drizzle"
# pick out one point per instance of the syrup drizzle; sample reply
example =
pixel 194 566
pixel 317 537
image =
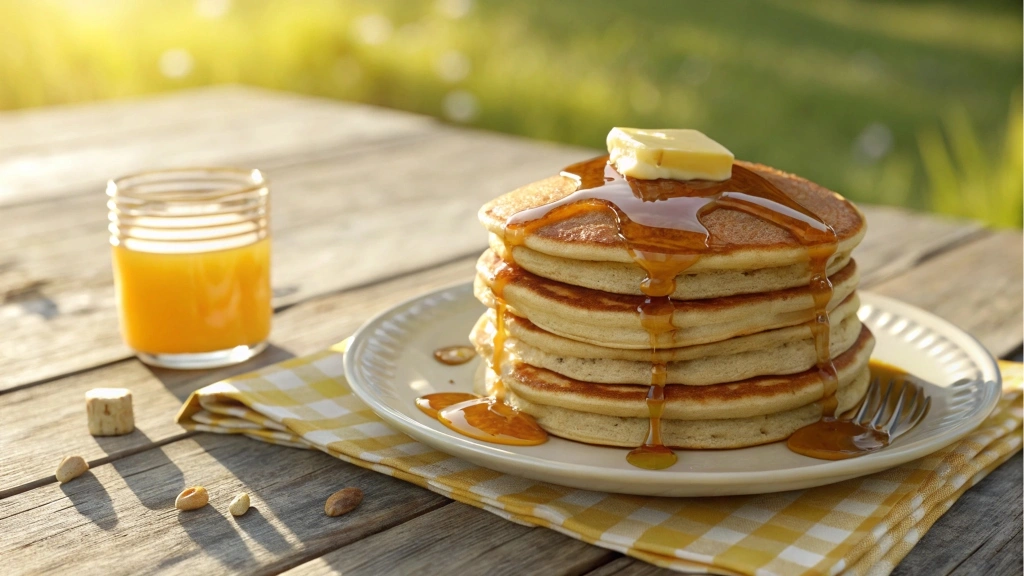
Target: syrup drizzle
pixel 660 224
pixel 833 439
pixel 487 418
pixel 482 417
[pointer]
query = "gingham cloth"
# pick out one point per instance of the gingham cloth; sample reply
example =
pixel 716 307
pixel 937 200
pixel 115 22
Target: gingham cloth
pixel 861 526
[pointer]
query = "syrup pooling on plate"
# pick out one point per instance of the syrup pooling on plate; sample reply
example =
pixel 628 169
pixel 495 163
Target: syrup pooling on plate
pixel 454 355
pixel 491 420
pixel 486 418
pixel 832 439
pixel 483 418
pixel 660 224
pixel 432 404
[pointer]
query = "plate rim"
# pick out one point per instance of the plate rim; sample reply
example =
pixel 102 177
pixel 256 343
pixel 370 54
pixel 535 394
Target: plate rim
pixel 839 469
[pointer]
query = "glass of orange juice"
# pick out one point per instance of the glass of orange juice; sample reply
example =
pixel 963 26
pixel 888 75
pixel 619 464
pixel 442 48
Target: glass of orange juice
pixel 191 256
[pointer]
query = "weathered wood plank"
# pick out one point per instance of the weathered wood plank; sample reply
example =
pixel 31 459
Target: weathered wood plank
pixel 34 416
pixel 626 566
pixel 980 534
pixel 898 239
pixel 124 512
pixel 337 222
pixel 54 153
pixel 978 286
pixel 459 539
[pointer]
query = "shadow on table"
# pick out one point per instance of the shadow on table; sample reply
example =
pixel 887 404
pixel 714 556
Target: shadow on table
pixel 256 525
pixel 181 383
pixel 216 535
pixel 91 500
pixel 154 490
pixel 289 486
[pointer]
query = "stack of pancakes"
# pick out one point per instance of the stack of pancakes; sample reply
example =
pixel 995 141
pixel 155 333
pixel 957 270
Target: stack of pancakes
pixel 740 359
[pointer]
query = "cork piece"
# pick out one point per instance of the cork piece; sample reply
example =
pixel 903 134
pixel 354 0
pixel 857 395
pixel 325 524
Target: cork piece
pixel 110 411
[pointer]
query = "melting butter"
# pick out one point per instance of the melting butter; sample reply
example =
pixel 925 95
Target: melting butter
pixel 677 154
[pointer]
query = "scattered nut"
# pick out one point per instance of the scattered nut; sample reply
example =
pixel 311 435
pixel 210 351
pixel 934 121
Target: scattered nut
pixel 240 505
pixel 192 498
pixel 71 467
pixel 343 501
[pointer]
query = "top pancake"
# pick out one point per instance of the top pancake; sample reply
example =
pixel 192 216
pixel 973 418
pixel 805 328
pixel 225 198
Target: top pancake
pixel 742 241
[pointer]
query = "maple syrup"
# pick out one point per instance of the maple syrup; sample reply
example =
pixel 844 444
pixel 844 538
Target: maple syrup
pixel 483 418
pixel 432 404
pixel 454 355
pixel 487 418
pixel 834 439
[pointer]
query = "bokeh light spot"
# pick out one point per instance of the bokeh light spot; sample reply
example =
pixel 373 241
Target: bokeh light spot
pixel 212 9
pixel 453 66
pixel 454 9
pixel 874 142
pixel 372 29
pixel 460 106
pixel 176 63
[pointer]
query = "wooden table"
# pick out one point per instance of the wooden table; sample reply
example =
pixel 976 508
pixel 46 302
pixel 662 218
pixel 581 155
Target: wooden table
pixel 371 207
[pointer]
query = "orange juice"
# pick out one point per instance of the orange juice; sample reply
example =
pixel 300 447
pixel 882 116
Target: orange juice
pixel 185 303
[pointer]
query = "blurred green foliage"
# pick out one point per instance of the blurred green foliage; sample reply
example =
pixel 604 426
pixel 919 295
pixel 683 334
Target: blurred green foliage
pixel 967 180
pixel 897 102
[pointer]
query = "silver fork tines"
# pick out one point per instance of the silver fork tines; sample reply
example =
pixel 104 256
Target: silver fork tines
pixel 894 416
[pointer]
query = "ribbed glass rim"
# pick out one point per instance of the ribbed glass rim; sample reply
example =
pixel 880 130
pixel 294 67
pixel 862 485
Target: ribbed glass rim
pixel 188 209
pixel 122 187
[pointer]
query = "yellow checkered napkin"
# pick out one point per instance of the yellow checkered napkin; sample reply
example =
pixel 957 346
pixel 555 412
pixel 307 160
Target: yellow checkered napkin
pixel 861 526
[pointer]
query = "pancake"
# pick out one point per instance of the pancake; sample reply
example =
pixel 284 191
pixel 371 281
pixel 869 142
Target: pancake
pixel 743 241
pixel 685 434
pixel 788 354
pixel 612 320
pixel 622 278
pixel 752 397
pixel 534 336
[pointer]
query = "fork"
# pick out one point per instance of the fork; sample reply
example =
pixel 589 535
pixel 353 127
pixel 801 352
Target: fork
pixel 878 410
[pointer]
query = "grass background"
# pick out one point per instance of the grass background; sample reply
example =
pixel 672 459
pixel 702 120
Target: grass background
pixel 907 102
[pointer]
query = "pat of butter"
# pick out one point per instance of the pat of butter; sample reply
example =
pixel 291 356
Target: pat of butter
pixel 676 154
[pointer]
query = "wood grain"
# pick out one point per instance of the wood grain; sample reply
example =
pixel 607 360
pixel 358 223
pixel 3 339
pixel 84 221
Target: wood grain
pixel 980 534
pixel 626 566
pixel 49 154
pixel 33 416
pixel 125 512
pixel 459 539
pixel 979 287
pixel 898 239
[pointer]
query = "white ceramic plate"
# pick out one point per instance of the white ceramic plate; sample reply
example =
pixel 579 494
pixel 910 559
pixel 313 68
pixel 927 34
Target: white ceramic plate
pixel 390 363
